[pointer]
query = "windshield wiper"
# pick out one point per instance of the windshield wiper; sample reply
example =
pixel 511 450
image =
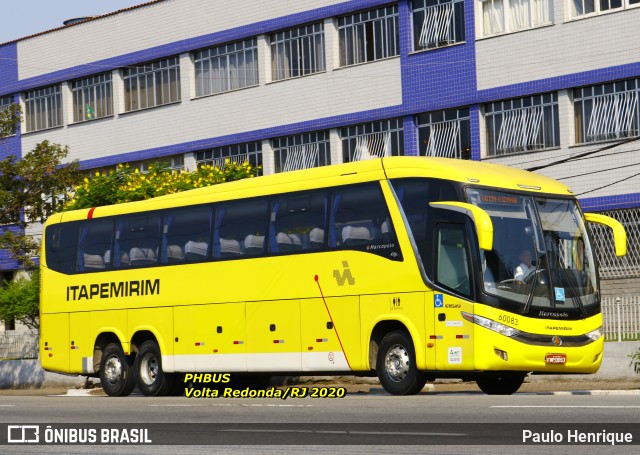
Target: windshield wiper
pixel 573 285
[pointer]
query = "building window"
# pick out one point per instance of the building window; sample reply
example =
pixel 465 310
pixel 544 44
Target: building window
pixel 437 23
pixel 5 104
pixel 225 68
pixel 92 98
pixel 175 163
pixel 445 134
pixel 302 151
pixel 238 153
pixel 581 8
pixel 372 140
pixel 522 124
pixel 152 84
pixel 369 36
pixel 607 112
pixel 504 16
pixel 297 52
pixel 43 108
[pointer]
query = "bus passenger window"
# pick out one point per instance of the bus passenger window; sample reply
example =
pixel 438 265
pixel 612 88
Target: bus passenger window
pixel 61 243
pixel 297 222
pixel 186 235
pixel 94 245
pixel 240 228
pixel 360 220
pixel 137 241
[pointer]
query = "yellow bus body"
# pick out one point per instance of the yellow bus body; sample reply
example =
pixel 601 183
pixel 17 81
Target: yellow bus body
pixel 312 312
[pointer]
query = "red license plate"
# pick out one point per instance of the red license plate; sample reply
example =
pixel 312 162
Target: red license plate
pixel 556 358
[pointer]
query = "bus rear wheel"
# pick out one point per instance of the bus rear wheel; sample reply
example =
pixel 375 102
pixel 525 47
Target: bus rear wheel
pixel 150 378
pixel 116 372
pixel 497 384
pixel 396 365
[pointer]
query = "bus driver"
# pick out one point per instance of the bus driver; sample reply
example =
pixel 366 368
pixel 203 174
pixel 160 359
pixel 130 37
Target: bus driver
pixel 525 268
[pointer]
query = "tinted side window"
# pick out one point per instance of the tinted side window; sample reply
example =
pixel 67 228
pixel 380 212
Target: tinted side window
pixel 62 247
pixel 298 222
pixel 186 235
pixel 360 220
pixel 94 246
pixel 241 228
pixel 415 196
pixel 452 263
pixel 137 241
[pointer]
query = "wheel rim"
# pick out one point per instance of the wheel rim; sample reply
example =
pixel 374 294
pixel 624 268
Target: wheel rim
pixel 397 363
pixel 113 369
pixel 149 367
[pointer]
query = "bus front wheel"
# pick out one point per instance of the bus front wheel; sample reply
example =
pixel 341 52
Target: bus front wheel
pixel 116 372
pixel 150 378
pixel 396 365
pixel 495 384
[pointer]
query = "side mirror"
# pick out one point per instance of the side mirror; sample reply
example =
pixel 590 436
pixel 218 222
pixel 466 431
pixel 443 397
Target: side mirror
pixel 481 219
pixel 619 234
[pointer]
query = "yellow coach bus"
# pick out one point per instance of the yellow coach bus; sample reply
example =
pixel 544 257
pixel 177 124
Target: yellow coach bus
pixel 410 268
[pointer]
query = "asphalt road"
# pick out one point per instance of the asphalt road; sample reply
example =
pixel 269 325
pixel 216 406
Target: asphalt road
pixel 361 422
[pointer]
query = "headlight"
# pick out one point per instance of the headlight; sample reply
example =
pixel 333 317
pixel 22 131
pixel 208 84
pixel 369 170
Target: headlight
pixel 491 324
pixel 595 334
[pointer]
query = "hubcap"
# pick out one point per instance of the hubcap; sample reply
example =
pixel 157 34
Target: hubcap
pixel 149 369
pixel 113 369
pixel 397 363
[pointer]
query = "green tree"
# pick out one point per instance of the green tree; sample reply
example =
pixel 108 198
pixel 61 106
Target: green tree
pixel 31 189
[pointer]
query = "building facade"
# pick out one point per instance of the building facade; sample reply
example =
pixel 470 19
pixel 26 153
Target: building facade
pixel 548 85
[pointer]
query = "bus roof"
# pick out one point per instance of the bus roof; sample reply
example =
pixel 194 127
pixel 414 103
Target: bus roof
pixel 464 171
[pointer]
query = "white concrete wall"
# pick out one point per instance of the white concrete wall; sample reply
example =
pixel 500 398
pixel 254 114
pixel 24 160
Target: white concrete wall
pixel 567 47
pixel 334 92
pixel 343 91
pixel 146 27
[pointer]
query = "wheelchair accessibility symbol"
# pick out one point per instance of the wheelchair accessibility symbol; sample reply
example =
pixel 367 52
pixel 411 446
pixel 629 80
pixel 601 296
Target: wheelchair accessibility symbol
pixel 438 301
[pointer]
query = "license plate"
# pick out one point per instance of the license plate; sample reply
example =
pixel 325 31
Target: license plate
pixel 556 358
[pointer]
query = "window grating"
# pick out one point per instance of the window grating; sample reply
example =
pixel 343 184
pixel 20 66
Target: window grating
pixel 372 140
pixel 302 151
pixel 445 134
pixel 437 23
pixel 612 266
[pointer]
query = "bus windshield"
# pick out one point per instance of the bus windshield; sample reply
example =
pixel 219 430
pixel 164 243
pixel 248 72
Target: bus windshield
pixel 541 257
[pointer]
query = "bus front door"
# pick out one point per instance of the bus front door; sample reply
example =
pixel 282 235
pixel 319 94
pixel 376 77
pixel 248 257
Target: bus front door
pixel 453 335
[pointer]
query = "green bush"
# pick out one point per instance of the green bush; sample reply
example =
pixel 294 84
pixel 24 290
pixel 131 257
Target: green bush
pixel 635 361
pixel 20 300
pixel 126 185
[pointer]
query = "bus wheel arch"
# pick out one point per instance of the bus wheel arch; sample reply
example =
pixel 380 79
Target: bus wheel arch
pixel 393 351
pixel 103 340
pixel 150 377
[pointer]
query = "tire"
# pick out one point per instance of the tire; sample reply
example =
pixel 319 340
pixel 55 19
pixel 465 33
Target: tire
pixel 495 384
pixel 396 365
pixel 116 372
pixel 150 378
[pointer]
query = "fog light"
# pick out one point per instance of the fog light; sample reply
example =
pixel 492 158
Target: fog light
pixel 502 354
